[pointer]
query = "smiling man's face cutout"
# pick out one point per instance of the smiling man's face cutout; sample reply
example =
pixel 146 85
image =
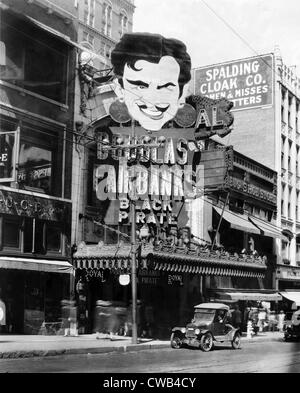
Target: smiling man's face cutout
pixel 151 91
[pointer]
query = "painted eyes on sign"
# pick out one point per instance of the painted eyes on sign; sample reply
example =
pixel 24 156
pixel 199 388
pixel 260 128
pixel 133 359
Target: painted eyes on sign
pixel 169 86
pixel 140 85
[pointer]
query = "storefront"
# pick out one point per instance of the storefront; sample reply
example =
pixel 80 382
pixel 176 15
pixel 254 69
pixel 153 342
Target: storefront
pixel 35 274
pixel 171 280
pixel 288 281
pixel 32 291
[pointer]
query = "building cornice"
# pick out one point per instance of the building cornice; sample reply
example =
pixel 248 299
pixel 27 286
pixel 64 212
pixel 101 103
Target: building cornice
pixel 128 5
pixel 52 8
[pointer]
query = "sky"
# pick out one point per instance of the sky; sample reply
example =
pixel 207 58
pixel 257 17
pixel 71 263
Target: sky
pixel 215 31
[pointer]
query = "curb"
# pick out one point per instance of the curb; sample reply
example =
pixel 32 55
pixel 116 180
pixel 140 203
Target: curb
pixel 96 350
pixel 80 351
pixel 263 339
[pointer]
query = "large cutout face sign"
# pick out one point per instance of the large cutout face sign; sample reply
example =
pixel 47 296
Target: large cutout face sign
pixel 152 77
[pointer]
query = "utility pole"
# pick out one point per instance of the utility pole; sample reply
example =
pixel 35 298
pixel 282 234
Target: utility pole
pixel 133 260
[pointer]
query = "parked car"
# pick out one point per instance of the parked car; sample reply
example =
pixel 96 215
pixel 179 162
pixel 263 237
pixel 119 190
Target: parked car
pixel 291 327
pixel 209 326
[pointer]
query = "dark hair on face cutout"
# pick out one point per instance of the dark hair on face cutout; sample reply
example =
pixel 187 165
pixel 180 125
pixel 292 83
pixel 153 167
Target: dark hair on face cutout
pixel 150 47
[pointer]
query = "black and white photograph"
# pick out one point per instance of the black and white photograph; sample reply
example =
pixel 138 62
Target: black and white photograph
pixel 149 190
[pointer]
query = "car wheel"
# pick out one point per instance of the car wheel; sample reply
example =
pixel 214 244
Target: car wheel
pixel 176 341
pixel 236 342
pixel 206 342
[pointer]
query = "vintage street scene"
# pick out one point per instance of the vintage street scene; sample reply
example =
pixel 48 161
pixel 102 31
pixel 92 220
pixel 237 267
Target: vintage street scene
pixel 149 189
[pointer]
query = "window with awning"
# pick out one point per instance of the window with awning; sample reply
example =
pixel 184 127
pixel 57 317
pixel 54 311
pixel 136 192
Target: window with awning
pixel 251 296
pixel 41 265
pixel 238 221
pixel 268 229
pixel 292 296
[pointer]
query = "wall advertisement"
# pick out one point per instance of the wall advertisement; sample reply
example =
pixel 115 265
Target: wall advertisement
pixel 248 83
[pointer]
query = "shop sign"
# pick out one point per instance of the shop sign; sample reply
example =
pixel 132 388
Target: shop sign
pixel 288 273
pixel 165 176
pixel 19 204
pixel 35 174
pixel 250 189
pixel 93 273
pixel 175 279
pixel 248 83
pixel 149 277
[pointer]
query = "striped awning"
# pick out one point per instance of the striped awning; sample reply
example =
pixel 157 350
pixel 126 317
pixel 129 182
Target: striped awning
pixel 255 295
pixel 124 265
pixel 206 270
pixel 119 259
pixel 40 265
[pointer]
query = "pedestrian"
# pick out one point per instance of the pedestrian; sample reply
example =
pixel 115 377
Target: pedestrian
pixel 253 317
pixel 281 317
pixel 272 321
pixel 262 319
pixel 246 317
pixel 236 317
pixel 2 315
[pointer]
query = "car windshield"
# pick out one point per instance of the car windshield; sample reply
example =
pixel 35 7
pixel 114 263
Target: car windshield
pixel 204 315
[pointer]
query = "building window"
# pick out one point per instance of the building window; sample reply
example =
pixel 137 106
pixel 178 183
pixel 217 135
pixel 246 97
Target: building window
pixel 53 237
pixel 85 36
pixel 39 161
pixel 35 60
pixel 123 23
pixel 107 19
pixel 108 51
pixel 102 49
pixel 89 12
pixel 282 114
pixel 91 39
pixel 30 235
pixel 282 207
pixel 35 167
pixel 11 232
pixel 85 17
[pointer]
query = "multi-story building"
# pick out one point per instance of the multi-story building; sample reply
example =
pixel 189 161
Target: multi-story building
pixel 37 107
pixel 266 96
pixel 101 25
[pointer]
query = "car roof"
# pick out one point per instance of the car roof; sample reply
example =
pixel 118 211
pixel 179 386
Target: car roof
pixel 213 306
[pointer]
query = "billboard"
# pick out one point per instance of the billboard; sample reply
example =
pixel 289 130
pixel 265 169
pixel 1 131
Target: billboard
pixel 248 83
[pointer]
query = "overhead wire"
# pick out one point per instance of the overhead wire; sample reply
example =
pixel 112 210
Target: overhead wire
pixel 245 42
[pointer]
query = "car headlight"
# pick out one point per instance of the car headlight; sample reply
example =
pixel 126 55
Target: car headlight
pixel 197 331
pixel 183 330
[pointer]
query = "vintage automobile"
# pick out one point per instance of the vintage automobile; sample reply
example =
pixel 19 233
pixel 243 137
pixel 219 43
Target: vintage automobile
pixel 209 325
pixel 291 327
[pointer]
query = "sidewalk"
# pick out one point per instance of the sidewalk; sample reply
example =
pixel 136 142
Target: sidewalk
pixel 21 346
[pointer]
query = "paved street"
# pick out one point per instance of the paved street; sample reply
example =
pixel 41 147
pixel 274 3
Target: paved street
pixel 272 357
